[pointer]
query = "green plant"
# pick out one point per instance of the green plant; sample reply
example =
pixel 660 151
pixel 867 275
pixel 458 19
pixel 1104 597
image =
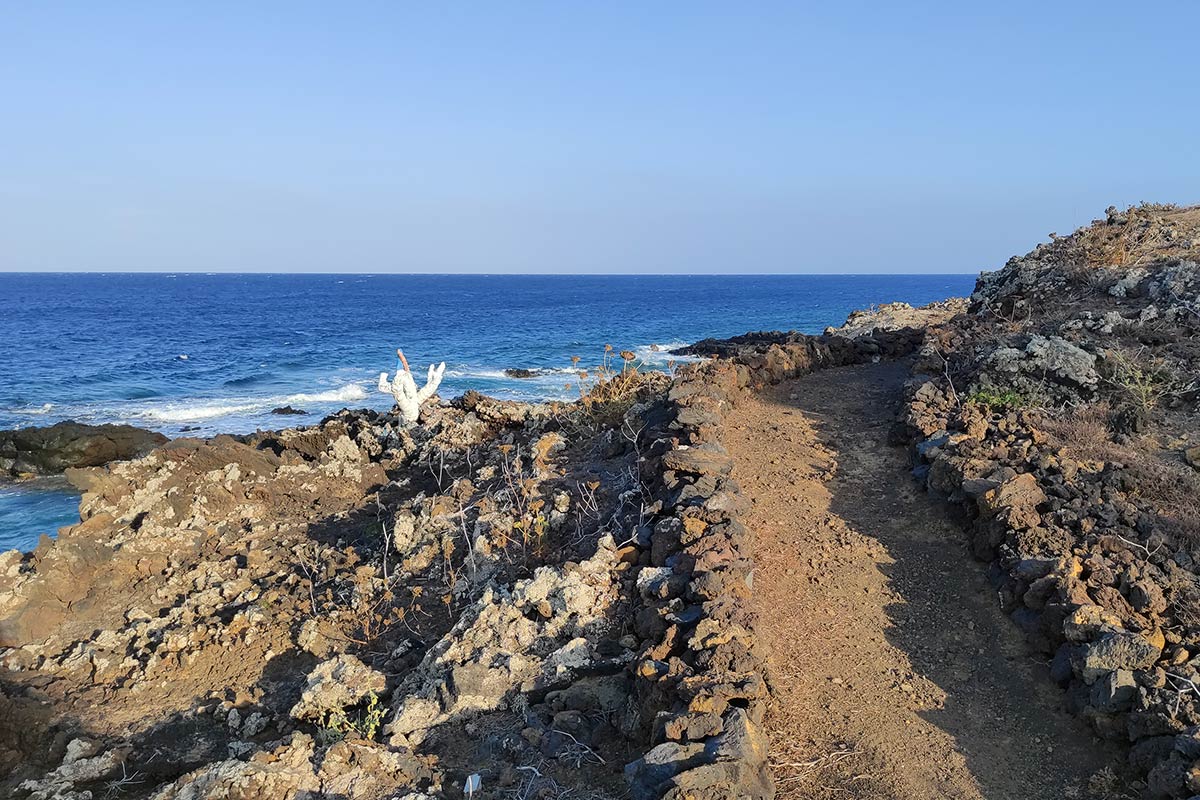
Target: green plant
pixel 363 724
pixel 533 526
pixel 998 399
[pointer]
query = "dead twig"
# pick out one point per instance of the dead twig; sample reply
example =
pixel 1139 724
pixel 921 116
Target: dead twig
pixel 808 769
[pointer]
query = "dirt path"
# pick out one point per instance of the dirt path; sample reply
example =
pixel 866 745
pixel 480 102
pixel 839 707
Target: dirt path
pixel 897 675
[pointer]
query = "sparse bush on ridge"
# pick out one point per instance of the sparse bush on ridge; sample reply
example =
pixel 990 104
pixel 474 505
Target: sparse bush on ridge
pixel 607 392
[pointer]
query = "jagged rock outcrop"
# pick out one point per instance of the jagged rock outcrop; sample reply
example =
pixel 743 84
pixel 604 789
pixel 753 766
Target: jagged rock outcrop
pixel 533 637
pixel 335 685
pixel 897 316
pixel 240 615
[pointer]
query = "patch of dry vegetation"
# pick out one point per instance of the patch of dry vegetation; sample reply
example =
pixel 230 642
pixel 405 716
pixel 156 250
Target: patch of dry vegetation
pixel 1158 477
pixel 610 389
pixel 1152 232
pixel 1143 379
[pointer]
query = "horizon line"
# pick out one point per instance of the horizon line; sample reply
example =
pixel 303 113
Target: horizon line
pixel 492 274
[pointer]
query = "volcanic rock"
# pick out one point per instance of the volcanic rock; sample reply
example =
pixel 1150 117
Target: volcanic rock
pixel 50 450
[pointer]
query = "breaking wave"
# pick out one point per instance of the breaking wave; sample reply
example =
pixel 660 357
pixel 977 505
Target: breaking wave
pixel 659 353
pixel 36 411
pixel 351 391
pixel 193 413
pixel 199 410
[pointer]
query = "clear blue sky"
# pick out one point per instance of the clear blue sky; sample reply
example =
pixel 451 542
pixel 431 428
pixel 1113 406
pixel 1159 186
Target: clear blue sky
pixel 573 137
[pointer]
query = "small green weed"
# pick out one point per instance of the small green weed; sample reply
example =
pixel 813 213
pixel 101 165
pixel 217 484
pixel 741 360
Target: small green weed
pixel 999 400
pixel 364 724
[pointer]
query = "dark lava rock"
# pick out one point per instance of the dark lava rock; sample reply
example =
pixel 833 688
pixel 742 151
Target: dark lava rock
pixel 517 372
pixel 287 410
pixel 706 459
pixel 50 450
pixel 736 345
pixel 1131 420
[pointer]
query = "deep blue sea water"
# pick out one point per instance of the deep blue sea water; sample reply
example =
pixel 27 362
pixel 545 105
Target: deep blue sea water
pixel 204 354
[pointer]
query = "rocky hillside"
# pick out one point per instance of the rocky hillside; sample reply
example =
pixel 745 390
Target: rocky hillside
pixel 1059 408
pixel 356 609
pixel 1062 413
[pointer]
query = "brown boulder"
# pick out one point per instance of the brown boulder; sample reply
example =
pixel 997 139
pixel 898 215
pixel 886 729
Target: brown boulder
pixel 1015 501
pixel 708 459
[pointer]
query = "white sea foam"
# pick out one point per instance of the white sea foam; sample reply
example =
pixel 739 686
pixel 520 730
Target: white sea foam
pixel 36 411
pixel 181 412
pixel 344 394
pixel 471 372
pixel 210 408
pixel 539 373
pixel 660 353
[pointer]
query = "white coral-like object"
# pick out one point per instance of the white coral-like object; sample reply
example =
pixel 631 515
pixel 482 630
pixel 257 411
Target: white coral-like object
pixel 404 390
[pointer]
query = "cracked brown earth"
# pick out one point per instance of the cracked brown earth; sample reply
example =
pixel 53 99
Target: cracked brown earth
pixel 896 673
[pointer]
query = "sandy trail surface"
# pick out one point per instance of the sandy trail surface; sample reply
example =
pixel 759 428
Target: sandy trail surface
pixel 896 673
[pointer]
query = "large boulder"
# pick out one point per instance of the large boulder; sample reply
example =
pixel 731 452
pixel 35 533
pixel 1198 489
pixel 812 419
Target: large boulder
pixel 50 450
pixel 336 685
pixel 1047 368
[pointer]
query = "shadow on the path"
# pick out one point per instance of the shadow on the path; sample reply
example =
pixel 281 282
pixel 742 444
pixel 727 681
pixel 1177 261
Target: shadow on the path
pixel 1000 707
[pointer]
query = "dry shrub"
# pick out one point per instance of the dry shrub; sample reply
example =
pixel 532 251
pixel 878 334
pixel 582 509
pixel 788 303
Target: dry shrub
pixel 608 391
pixel 1160 480
pixel 1141 240
pixel 1184 597
pixel 1142 379
pixel 1107 784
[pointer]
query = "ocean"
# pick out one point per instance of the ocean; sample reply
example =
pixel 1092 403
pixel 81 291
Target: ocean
pixel 200 354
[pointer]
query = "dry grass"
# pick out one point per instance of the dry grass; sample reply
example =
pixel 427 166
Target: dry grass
pixel 1140 241
pixel 1185 600
pixel 815 773
pixel 1107 784
pixel 1161 481
pixel 608 390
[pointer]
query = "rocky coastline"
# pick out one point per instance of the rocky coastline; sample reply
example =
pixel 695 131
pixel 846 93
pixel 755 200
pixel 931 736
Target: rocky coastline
pixel 540 600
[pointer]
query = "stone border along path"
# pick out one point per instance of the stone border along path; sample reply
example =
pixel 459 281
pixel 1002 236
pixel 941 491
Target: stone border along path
pixel 703 669
pixel 703 672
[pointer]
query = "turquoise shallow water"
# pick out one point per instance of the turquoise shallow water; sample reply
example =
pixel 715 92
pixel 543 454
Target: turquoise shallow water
pixel 31 509
pixel 204 354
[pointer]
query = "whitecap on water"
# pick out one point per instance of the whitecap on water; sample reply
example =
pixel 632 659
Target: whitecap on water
pixel 37 411
pixel 197 410
pixel 660 353
pixel 344 394
pixel 193 413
